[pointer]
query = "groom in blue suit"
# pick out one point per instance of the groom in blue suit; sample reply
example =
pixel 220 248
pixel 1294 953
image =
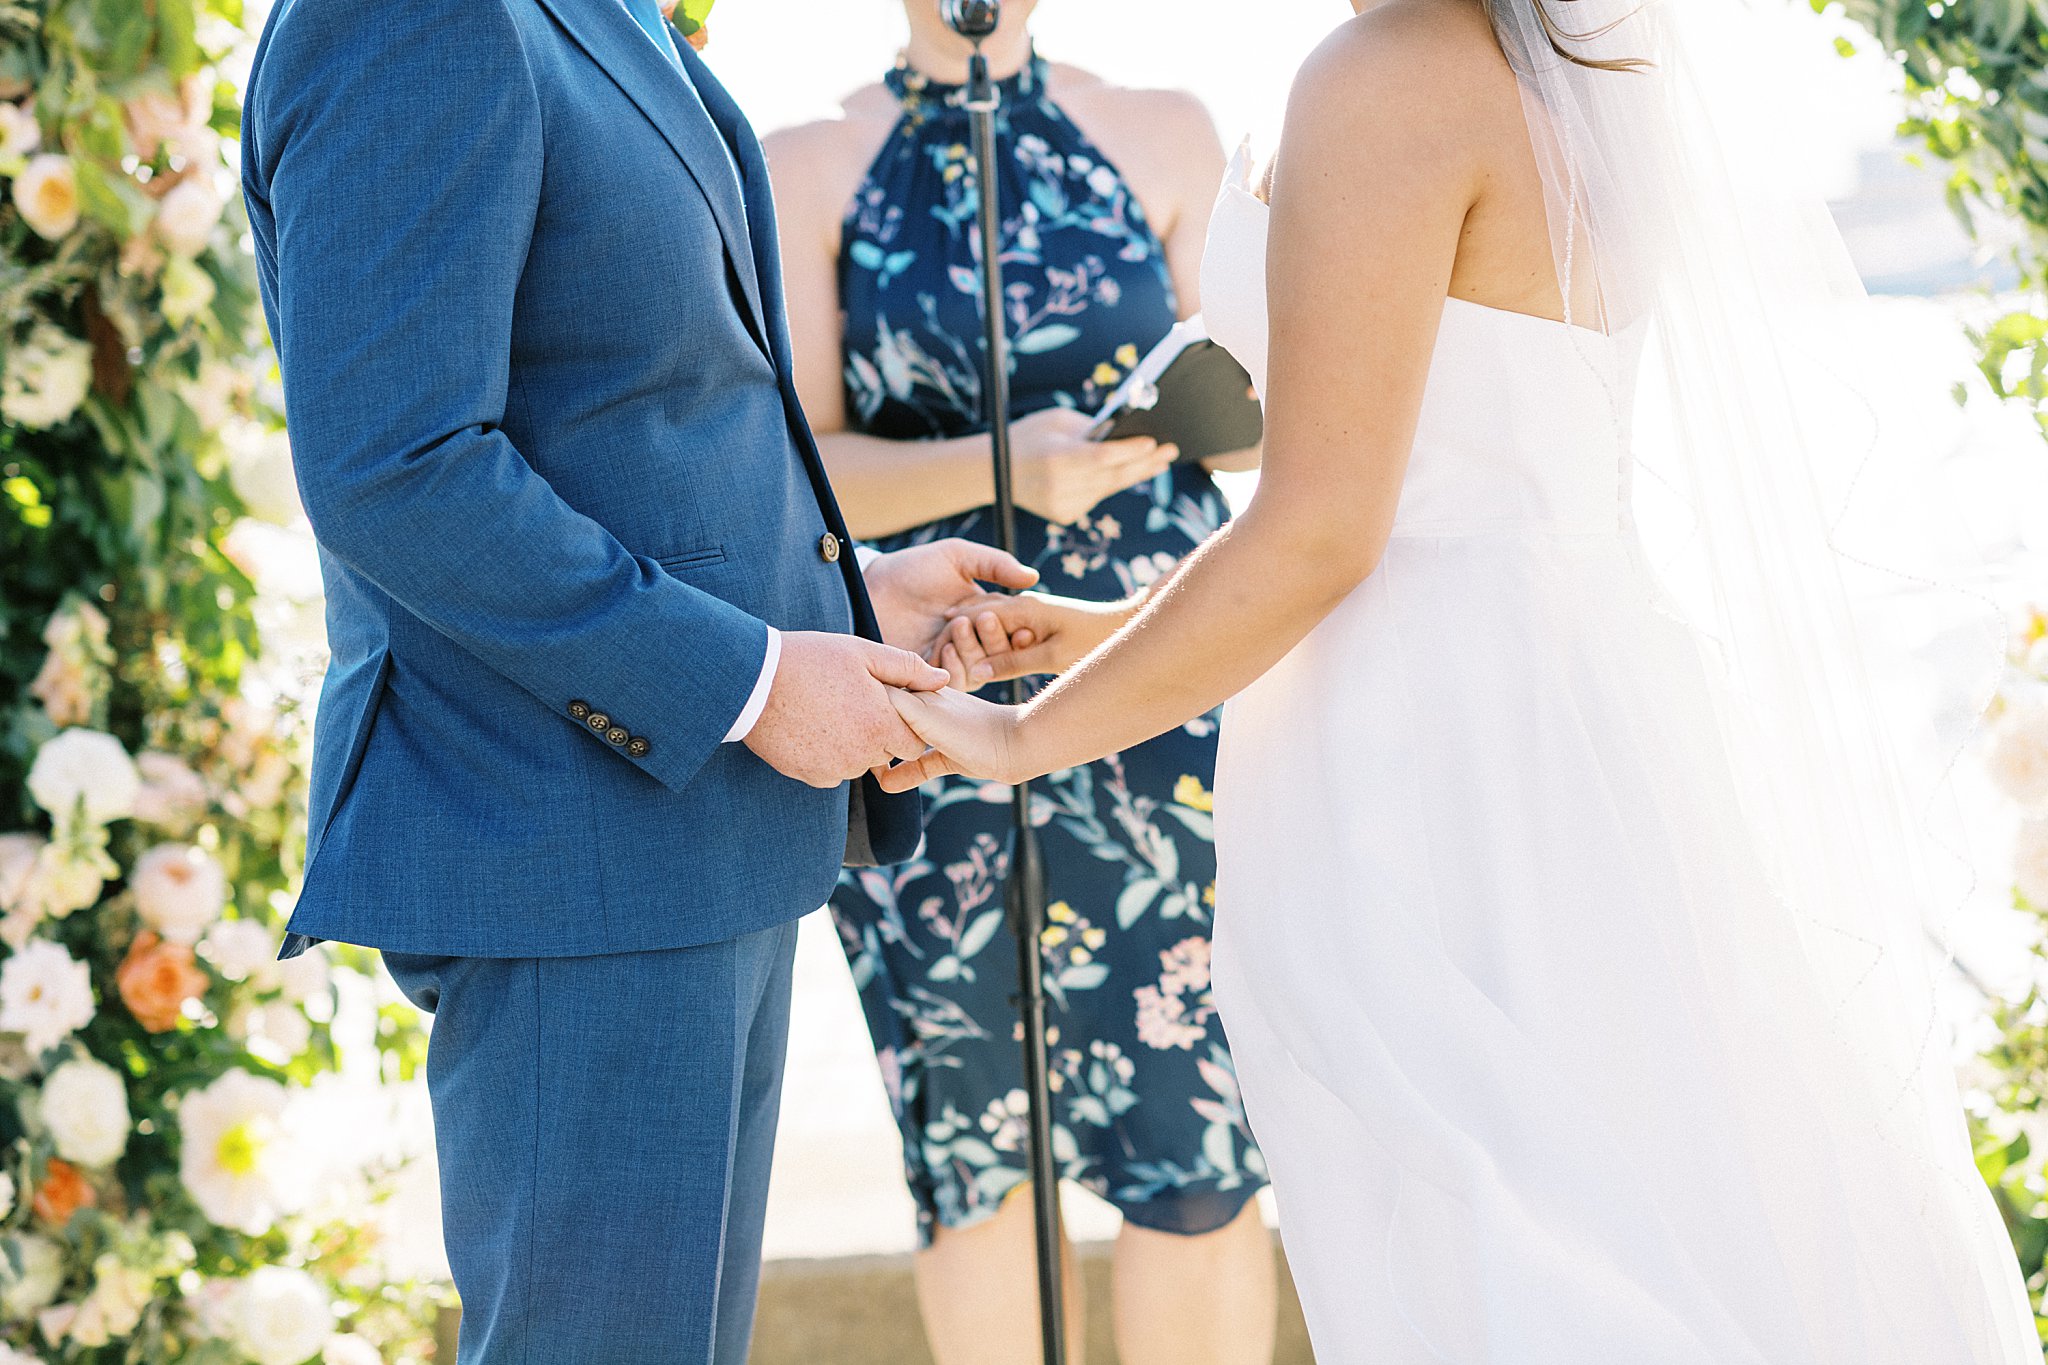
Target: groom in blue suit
pixel 604 661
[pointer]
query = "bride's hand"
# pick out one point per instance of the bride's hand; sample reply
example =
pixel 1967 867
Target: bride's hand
pixel 967 736
pixel 997 637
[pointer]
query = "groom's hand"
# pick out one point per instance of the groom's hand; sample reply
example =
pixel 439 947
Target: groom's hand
pixel 829 717
pixel 914 589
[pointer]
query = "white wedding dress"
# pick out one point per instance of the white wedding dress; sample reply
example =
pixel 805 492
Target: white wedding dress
pixel 1538 1080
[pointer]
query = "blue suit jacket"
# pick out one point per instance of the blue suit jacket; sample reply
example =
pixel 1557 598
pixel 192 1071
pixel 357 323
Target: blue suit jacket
pixel 538 379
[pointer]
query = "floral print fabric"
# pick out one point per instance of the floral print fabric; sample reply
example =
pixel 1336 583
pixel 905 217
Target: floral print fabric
pixel 1146 1106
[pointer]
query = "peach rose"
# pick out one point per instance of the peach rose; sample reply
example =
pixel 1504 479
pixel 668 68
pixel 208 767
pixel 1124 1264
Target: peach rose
pixel 63 1192
pixel 154 118
pixel 65 688
pixel 155 981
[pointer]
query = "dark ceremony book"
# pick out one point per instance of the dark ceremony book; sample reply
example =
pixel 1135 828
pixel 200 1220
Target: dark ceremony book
pixel 1190 392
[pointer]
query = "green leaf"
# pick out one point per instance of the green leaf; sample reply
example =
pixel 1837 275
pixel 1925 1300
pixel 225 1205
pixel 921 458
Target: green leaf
pixel 100 200
pixel 177 37
pixel 691 15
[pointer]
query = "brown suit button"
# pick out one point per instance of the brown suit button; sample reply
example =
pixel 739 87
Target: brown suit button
pixel 598 721
pixel 637 747
pixel 828 548
pixel 579 709
pixel 617 736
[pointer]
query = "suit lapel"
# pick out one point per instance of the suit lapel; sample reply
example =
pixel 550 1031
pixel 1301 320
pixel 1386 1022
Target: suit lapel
pixel 732 125
pixel 739 134
pixel 607 33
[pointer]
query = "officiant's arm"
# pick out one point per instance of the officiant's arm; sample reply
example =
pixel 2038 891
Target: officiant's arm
pixel 403 202
pixel 1368 209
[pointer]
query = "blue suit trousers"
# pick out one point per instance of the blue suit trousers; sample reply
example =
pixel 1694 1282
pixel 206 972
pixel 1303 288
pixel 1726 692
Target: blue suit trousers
pixel 668 1065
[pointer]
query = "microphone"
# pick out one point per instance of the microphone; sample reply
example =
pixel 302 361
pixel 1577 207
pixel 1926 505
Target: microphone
pixel 973 19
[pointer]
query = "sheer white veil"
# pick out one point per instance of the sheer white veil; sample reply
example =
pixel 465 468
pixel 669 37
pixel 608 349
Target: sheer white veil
pixel 1675 210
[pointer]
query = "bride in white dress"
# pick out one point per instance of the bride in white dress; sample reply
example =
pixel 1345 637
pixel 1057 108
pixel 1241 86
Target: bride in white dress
pixel 1569 919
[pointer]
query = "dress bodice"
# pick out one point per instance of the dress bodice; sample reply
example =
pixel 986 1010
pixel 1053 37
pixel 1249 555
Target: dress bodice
pixel 1524 419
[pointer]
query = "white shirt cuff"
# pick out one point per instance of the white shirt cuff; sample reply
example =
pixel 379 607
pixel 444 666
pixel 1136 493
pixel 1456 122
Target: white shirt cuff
pixel 758 702
pixel 865 556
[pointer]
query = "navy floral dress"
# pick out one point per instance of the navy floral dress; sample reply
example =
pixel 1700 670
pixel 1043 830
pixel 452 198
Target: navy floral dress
pixel 1146 1107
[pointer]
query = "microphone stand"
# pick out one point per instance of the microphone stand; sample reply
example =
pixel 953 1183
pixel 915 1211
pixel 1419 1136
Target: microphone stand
pixel 975 20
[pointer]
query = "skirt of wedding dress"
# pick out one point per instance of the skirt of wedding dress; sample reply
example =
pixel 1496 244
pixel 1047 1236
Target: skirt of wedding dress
pixel 1532 1048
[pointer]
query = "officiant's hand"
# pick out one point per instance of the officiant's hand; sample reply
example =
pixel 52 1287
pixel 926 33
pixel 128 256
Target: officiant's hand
pixel 914 589
pixel 997 637
pixel 829 716
pixel 1062 475
pixel 968 736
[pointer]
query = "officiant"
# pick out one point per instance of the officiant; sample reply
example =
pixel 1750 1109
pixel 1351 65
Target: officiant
pixel 1106 194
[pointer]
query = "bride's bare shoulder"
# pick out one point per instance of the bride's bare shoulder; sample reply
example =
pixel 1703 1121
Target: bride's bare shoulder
pixel 1412 63
pixel 1410 93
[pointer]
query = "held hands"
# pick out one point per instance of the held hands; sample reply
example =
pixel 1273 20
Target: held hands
pixel 1062 475
pixel 915 590
pixel 830 715
pixel 995 638
pixel 967 736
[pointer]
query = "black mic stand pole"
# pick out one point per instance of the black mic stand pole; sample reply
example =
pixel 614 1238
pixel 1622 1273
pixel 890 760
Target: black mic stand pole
pixel 975 20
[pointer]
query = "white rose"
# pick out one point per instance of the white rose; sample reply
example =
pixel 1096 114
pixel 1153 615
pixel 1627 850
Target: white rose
pixel 119 1295
pixel 68 877
pixel 285 1025
pixel 2030 859
pixel 45 995
pixel 242 950
pixel 88 771
pixel 18 853
pixel 172 795
pixel 234 1157
pixel 46 378
pixel 10 1356
pixel 55 1321
pixel 282 1317
pixel 85 1107
pixel 186 218
pixel 20 134
pixel 179 891
pixel 260 468
pixel 2019 754
pixel 35 1286
pixel 46 192
pixel 343 1349
pixel 305 976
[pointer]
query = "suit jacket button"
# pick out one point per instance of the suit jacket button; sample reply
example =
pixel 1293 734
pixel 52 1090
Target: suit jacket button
pixel 598 721
pixel 616 737
pixel 580 709
pixel 828 548
pixel 637 747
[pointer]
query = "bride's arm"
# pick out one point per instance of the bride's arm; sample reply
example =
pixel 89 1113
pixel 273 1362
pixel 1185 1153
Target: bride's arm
pixel 1376 175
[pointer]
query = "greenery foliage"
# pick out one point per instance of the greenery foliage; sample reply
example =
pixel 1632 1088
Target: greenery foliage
pixel 162 1080
pixel 1977 101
